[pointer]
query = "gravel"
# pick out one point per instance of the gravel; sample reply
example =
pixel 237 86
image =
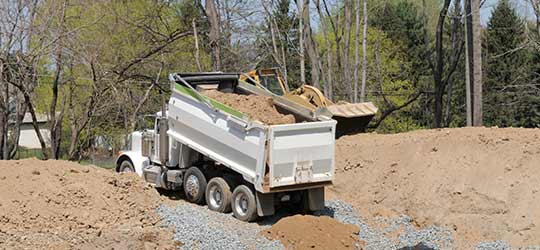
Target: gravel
pixel 199 228
pixel 410 238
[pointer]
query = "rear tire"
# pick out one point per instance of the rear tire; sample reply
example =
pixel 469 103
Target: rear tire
pixel 243 204
pixel 218 195
pixel 194 185
pixel 126 167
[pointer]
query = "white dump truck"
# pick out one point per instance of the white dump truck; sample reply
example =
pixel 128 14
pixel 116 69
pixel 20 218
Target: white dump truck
pixel 219 156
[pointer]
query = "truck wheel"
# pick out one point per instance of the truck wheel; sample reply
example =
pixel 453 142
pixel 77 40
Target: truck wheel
pixel 194 185
pixel 126 167
pixel 243 204
pixel 218 195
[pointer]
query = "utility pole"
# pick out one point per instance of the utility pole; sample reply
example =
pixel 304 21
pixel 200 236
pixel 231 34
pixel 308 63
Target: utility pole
pixel 473 66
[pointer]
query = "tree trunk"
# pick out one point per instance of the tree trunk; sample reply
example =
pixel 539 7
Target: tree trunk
pixel 364 54
pixel 35 125
pixel 213 20
pixel 4 119
pixel 346 67
pixel 300 4
pixel 16 131
pixel 356 45
pixel 196 37
pixel 311 47
pixel 329 86
pixel 439 65
pixel 55 119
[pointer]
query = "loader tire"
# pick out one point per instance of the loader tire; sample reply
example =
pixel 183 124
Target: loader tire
pixel 218 195
pixel 194 185
pixel 243 204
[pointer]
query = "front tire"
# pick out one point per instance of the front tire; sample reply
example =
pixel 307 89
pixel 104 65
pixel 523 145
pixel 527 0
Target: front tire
pixel 243 204
pixel 126 167
pixel 194 185
pixel 218 195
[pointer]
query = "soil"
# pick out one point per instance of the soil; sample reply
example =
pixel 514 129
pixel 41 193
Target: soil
pixel 481 182
pixel 63 205
pixel 259 108
pixel 301 232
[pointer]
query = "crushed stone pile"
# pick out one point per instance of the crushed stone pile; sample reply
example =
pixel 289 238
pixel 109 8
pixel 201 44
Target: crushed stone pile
pixel 64 205
pixel 259 108
pixel 302 232
pixel 482 183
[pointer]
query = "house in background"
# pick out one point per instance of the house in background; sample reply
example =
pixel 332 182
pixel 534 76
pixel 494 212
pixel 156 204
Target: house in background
pixel 29 138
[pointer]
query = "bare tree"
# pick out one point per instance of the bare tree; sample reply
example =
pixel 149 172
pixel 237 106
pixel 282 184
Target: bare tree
pixel 356 45
pixel 364 54
pixel 19 62
pixel 56 114
pixel 346 65
pixel 311 46
pixel 214 35
pixel 439 64
pixel 300 5
pixel 197 50
pixel 328 87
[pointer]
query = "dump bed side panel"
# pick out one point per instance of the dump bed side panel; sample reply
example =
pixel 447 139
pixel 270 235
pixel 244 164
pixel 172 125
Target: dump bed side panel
pixel 217 135
pixel 301 153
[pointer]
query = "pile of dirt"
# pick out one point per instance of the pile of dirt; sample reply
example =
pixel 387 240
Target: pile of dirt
pixel 481 182
pixel 301 232
pixel 259 108
pixel 64 205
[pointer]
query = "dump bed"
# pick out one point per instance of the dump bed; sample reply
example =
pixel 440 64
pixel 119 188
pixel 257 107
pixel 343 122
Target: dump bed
pixel 272 158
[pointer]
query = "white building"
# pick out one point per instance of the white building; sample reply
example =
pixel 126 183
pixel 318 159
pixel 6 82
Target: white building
pixel 29 138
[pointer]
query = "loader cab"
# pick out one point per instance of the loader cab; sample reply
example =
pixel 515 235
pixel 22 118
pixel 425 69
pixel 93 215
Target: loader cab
pixel 270 79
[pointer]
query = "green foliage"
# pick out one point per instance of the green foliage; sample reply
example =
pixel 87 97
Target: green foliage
pixel 107 49
pixel 510 99
pixel 401 21
pixel 388 78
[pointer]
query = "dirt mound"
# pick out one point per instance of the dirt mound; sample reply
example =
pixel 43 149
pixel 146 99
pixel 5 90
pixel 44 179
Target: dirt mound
pixel 309 232
pixel 481 182
pixel 259 108
pixel 63 205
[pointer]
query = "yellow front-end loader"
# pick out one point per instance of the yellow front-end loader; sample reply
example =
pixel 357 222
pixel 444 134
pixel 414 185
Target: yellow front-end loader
pixel 352 118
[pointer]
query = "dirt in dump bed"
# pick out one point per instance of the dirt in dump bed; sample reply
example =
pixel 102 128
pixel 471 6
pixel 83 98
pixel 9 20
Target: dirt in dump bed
pixel 64 205
pixel 259 108
pixel 481 183
pixel 302 232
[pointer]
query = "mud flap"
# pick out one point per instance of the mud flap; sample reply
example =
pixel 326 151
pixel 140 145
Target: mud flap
pixel 265 204
pixel 315 199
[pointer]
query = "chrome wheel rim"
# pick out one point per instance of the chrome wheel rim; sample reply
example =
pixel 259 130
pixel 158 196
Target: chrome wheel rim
pixel 241 204
pixel 192 186
pixel 216 197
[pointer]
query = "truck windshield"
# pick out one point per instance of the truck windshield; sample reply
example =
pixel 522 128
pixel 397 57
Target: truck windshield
pixel 271 82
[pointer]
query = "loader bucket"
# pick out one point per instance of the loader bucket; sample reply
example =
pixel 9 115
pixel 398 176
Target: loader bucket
pixel 352 118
